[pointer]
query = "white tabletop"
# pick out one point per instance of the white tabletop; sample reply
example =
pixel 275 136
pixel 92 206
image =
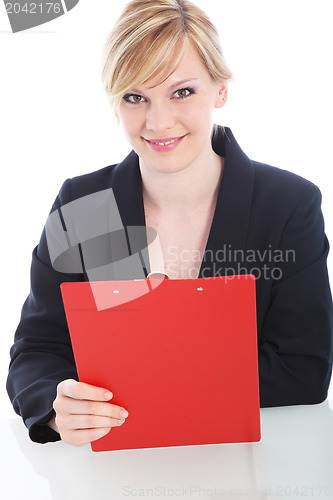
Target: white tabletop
pixel 294 459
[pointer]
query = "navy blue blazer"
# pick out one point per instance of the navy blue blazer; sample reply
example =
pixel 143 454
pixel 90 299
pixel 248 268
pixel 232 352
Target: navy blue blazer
pixel 267 221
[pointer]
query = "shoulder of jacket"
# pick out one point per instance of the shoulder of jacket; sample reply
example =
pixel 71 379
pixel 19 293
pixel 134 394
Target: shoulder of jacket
pixel 279 182
pixel 92 182
pixel 84 185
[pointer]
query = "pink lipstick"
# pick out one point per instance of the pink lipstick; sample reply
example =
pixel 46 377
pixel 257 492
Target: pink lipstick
pixel 164 144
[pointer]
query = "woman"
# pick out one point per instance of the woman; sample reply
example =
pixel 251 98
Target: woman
pixel 215 212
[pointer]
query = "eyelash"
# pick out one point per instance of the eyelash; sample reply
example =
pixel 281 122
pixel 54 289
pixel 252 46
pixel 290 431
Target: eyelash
pixel 189 89
pixel 127 97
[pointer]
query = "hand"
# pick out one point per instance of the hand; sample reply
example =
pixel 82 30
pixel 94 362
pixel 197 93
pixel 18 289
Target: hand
pixel 83 413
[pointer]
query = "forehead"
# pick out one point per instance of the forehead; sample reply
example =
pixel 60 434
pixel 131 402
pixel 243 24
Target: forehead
pixel 190 67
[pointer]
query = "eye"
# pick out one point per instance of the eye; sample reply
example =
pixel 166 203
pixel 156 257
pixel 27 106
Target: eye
pixel 133 98
pixel 183 93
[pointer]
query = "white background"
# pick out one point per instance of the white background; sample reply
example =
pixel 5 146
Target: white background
pixel 55 121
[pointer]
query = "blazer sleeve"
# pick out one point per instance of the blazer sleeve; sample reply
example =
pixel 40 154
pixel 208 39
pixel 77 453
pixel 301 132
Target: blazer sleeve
pixel 295 351
pixel 41 355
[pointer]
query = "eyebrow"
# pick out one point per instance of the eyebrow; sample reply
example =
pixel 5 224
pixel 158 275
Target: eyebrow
pixel 175 85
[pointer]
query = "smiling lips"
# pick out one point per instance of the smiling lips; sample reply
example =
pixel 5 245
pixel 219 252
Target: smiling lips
pixel 165 144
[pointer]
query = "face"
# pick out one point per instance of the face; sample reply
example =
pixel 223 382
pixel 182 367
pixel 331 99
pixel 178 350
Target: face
pixel 169 124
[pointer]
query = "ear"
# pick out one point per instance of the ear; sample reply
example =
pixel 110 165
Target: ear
pixel 222 95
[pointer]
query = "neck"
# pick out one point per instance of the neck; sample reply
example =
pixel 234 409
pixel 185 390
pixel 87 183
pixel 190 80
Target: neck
pixel 184 191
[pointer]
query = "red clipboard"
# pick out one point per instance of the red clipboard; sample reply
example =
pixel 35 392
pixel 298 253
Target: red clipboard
pixel 181 357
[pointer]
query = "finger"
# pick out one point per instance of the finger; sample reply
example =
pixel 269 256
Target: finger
pixel 80 390
pixel 85 436
pixel 83 407
pixel 76 422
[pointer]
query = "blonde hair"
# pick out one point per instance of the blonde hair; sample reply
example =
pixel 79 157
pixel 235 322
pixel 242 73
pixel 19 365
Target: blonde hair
pixel 153 34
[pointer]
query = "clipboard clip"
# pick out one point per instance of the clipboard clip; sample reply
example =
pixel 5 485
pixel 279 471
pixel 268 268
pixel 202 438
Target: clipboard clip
pixel 157 275
pixel 155 278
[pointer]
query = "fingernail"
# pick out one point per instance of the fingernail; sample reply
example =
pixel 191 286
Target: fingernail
pixel 121 421
pixel 123 413
pixel 108 395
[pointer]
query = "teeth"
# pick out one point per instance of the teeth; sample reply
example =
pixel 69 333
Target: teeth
pixel 165 143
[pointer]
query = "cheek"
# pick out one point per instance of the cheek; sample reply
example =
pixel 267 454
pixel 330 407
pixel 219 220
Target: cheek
pixel 131 122
pixel 198 115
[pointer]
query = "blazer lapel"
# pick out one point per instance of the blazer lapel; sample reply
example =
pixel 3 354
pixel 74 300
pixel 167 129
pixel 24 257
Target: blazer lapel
pixel 231 218
pixel 127 189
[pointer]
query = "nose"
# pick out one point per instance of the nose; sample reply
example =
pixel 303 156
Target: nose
pixel 160 116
